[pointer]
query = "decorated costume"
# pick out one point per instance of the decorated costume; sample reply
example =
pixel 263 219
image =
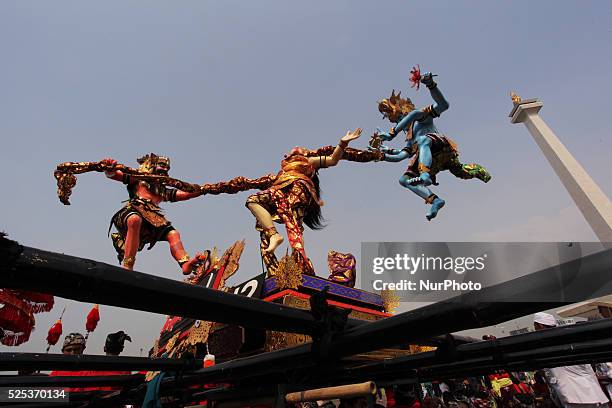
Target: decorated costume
pixel 292 192
pixel 293 199
pixel 141 221
pixel 430 151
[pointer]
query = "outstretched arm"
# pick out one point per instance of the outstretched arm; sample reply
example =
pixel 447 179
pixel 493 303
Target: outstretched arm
pixel 393 155
pixel 112 174
pixel 441 104
pixel 330 161
pixel 403 124
pixel 184 195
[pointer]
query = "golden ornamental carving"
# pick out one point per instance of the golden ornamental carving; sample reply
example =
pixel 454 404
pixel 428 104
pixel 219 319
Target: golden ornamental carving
pixel 199 332
pixel 391 300
pixel 288 273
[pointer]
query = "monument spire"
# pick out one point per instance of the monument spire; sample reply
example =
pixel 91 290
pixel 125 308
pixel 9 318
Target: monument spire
pixel 589 198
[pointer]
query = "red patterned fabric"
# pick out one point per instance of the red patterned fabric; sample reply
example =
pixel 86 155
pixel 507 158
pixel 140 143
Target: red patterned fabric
pixel 16 318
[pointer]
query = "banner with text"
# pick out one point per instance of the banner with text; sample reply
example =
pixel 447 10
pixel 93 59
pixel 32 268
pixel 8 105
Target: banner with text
pixel 511 272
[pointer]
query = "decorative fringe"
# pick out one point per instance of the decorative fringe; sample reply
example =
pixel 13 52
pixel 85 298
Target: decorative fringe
pixel 39 302
pixel 16 319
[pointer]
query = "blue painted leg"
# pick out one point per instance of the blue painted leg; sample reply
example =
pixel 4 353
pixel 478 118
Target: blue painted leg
pixel 436 205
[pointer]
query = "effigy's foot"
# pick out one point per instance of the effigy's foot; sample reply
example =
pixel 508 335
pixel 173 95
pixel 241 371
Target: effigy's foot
pixel 198 261
pixel 436 205
pixel 477 171
pixel 275 241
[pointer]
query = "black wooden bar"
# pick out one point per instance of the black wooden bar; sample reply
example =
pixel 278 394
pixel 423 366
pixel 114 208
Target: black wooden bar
pixel 86 280
pixel 502 347
pixel 490 306
pixel 461 313
pixel 90 281
pixel 42 361
pixel 70 381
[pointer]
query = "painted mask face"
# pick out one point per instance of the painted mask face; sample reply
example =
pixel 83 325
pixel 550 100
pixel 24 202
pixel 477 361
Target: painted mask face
pixel 162 166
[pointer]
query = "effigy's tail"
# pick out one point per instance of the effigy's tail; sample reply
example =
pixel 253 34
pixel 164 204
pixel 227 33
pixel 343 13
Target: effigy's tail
pixel 470 171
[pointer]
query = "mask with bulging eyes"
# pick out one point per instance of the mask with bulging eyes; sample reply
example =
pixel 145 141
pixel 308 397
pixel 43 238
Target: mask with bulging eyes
pixel 162 166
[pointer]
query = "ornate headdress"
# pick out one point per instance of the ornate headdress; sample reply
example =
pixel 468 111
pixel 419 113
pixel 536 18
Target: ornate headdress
pixel 149 162
pixel 395 106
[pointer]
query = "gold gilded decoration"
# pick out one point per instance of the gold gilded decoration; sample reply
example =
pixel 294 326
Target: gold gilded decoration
pixel 239 184
pixel 279 340
pixel 149 162
pixel 151 375
pixel 301 303
pixel 423 168
pixel 214 256
pixel 375 141
pixel 341 268
pixel 229 260
pixel 415 348
pixel 350 154
pixel 394 107
pixel 515 98
pixel 288 273
pixel 201 329
pixel 391 300
pixel 199 332
pixel 129 262
pixel 171 343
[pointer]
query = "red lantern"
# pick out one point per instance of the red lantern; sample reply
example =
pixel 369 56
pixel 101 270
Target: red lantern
pixel 54 334
pixel 93 317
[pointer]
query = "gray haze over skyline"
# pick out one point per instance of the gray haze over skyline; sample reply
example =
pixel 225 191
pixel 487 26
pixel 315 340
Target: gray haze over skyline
pixel 225 88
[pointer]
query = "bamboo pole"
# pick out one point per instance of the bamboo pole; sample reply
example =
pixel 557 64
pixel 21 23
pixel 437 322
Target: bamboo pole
pixel 342 391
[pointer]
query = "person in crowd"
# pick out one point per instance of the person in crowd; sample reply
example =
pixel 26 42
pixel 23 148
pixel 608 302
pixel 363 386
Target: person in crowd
pixel 573 386
pixel 74 344
pixel 113 347
pixel 115 342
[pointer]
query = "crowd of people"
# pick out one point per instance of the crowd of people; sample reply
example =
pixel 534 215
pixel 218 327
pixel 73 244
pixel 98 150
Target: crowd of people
pixel 575 386
pixel 75 343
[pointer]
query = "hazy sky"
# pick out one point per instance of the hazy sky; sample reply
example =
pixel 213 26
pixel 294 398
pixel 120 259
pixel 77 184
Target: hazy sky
pixel 225 88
